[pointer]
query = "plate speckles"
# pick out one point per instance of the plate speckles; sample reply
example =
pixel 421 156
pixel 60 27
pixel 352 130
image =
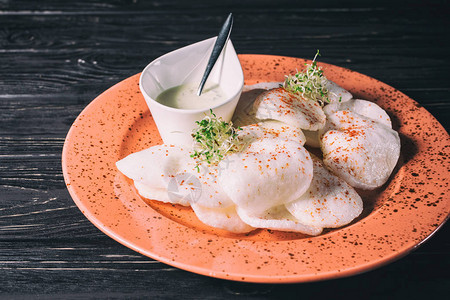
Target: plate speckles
pixel 396 218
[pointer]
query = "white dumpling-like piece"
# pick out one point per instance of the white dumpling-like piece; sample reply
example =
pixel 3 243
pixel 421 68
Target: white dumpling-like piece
pixel 277 218
pixel 223 218
pixel 329 202
pixel 153 169
pixel 167 173
pixel 161 194
pixel 244 114
pixel 360 150
pixel 279 104
pixel 363 107
pixel 271 129
pixel 268 173
pixel 155 166
pixel 336 93
pixel 282 130
pixel 212 195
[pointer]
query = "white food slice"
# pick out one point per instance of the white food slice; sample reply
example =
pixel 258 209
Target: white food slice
pixel 360 150
pixel 268 173
pixel 336 93
pixel 212 195
pixel 362 107
pixel 271 129
pixel 282 130
pixel 244 114
pixel 279 104
pixel 277 218
pixel 159 194
pixel 329 202
pixel 168 174
pixel 154 168
pixel 224 218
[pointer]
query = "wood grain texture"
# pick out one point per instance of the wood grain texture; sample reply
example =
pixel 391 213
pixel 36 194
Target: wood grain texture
pixel 56 56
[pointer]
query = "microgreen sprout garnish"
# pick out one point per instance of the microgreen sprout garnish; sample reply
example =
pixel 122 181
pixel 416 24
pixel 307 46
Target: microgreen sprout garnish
pixel 213 139
pixel 310 84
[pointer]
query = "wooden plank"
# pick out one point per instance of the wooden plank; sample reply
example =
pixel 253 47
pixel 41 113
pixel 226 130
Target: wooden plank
pixel 63 268
pixel 385 52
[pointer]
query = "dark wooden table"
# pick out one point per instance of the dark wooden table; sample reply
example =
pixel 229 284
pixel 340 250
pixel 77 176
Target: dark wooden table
pixel 56 56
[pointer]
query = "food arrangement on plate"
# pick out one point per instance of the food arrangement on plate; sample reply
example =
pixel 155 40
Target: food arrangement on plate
pixel 118 123
pixel 296 153
pixel 255 172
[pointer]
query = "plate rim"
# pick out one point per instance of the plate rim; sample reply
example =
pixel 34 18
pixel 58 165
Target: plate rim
pixel 206 271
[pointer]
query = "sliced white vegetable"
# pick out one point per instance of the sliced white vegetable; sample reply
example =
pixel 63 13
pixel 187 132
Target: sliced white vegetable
pixel 224 218
pixel 336 93
pixel 279 104
pixel 268 173
pixel 271 129
pixel 363 107
pixel 159 194
pixel 329 201
pixel 277 218
pixel 171 169
pixel 360 150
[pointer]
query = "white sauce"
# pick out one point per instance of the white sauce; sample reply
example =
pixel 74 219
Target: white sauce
pixel 185 96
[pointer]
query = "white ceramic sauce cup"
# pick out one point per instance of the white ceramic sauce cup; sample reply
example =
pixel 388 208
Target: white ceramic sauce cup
pixel 184 65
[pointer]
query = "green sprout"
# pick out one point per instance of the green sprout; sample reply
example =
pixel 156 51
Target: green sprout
pixel 213 139
pixel 310 84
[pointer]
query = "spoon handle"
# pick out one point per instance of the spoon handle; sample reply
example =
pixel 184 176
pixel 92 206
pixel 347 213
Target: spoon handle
pixel 221 40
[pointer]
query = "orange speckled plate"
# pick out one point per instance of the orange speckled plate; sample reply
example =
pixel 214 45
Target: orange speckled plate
pixel 396 219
